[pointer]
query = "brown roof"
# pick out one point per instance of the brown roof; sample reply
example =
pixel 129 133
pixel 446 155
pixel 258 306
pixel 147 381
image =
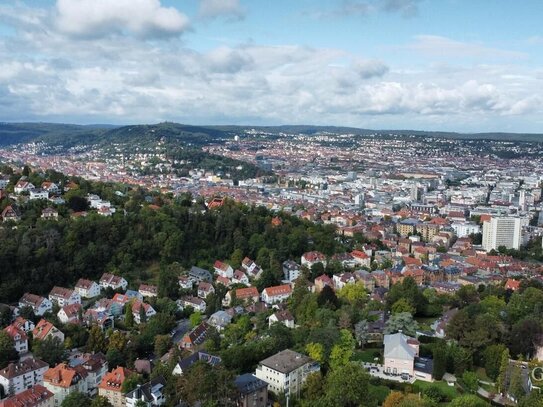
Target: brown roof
pixel 33 397
pixel 63 375
pixel 114 380
pixel 278 290
pixel 17 369
pixel 249 292
pixel 61 292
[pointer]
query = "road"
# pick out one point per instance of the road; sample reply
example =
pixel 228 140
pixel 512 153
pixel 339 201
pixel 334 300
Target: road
pixel 181 329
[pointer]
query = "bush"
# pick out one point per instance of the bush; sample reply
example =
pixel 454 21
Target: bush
pixel 435 393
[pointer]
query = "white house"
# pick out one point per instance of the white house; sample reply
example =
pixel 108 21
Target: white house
pixel 150 393
pixel 286 371
pixel 361 258
pixel 284 317
pixel 401 356
pixel 39 305
pixel 309 259
pixel 64 296
pixel 22 186
pixel 17 377
pixel 197 304
pixel 113 281
pixel 70 314
pixel 204 289
pixel 149 311
pixel 19 336
pixel 37 193
pixel 223 269
pixel 291 270
pixel 148 290
pixel 87 288
pixel 186 283
pixel 240 277
pixel 50 187
pixel 279 293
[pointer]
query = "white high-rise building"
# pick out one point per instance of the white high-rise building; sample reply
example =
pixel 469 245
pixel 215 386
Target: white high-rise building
pixel 503 231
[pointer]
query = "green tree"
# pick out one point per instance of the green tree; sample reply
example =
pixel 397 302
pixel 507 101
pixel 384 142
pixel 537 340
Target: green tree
pixel 50 350
pixel 117 341
pixel 7 349
pixel 504 365
pixel 354 293
pixel 97 341
pixel 100 401
pixel 210 385
pixel 440 362
pixel 470 380
pixel 195 319
pixel 361 332
pixel 469 400
pixel 492 360
pixel 402 305
pixel 131 382
pixel 347 386
pixel 315 351
pixel 163 343
pixel 128 315
pixel 401 322
pixel 75 399
pixel 343 350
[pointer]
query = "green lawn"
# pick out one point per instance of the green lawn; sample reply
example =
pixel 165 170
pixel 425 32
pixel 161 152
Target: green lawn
pixel 481 375
pixel 449 391
pixel 379 393
pixel 367 355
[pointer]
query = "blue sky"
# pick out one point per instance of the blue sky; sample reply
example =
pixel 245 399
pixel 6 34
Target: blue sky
pixel 452 65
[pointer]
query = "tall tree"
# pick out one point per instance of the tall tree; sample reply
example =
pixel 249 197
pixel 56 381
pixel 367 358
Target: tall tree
pixel 97 341
pixel 7 349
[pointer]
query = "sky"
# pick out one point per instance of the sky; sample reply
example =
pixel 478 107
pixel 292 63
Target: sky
pixel 452 65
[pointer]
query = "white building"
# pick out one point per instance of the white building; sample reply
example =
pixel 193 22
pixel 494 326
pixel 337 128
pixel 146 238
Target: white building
pixel 463 229
pixel 17 377
pixel 286 371
pixel 113 281
pixel 37 193
pixel 39 305
pixel 273 295
pixel 150 393
pixel 291 270
pixel 64 296
pixel 87 288
pixel 503 231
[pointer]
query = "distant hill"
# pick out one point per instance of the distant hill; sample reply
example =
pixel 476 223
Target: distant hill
pixel 71 134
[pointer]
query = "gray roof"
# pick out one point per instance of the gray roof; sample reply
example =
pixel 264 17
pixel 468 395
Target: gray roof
pixel 201 274
pixel 286 361
pixel 396 347
pixel 248 383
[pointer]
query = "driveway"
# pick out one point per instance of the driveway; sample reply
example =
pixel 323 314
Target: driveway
pixel 181 329
pixel 377 370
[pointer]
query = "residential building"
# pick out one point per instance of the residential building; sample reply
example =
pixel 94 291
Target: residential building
pixel 150 393
pixel 273 295
pixel 198 274
pixel 95 364
pixel 87 288
pixel 112 281
pixel 240 277
pixel 148 290
pixel 401 355
pixel 137 307
pixel 361 258
pixel 64 296
pixel 39 305
pixel 19 336
pixel 49 213
pixel 46 329
pixel 11 213
pixel 17 377
pixel 291 270
pixel 197 304
pixel 223 269
pixel 204 289
pixel 23 186
pixel 70 314
pixel 309 259
pixel 245 295
pixel 286 372
pixel 253 392
pixel 63 379
pixel 184 364
pixel 220 320
pixel 195 337
pixel 36 396
pixel 111 386
pixel 37 193
pixel 186 283
pixel 503 231
pixel 283 317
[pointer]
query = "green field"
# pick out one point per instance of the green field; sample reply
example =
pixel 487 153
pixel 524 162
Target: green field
pixel 368 355
pixel 449 391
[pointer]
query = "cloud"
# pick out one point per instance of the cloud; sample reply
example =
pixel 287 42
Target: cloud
pixel 435 45
pixel 370 69
pixel 407 8
pixel 366 8
pixel 99 18
pixel 217 8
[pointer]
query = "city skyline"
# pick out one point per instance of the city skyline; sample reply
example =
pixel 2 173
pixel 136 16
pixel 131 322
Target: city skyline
pixel 390 64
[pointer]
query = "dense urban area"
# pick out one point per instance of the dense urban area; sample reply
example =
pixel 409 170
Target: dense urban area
pixel 191 266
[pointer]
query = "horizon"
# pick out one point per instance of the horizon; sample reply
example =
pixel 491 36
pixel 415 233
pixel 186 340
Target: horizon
pixel 448 66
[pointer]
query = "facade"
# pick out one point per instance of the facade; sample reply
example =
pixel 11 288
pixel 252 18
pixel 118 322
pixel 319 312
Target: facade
pixel 150 393
pixel 111 384
pixel 286 372
pixel 463 229
pixel 284 317
pixel 70 314
pixel 87 288
pixel 19 336
pixel 112 281
pixel 253 392
pixel 291 270
pixel 223 269
pixel 273 295
pixel 18 377
pixel 46 329
pixel 62 380
pixel 148 290
pixel 401 356
pixel 503 231
pixel 36 396
pixel 147 310
pixel 311 258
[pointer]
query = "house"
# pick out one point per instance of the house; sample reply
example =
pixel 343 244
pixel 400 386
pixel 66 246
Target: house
pixel 49 213
pixel 195 337
pixel 37 193
pixel 87 288
pixel 46 329
pixel 184 364
pixel 111 386
pixel 113 282
pixel 240 277
pixel 50 187
pixel 63 379
pixel 361 258
pixel 19 336
pixel 286 371
pixel 24 324
pixel 104 319
pixel 17 377
pixel 252 269
pixel 283 317
pixel 253 392
pixel 223 269
pixel 23 186
pixel 198 274
pixel 401 356
pixel 148 290
pixel 204 289
pixel 150 393
pixel 39 305
pixel 186 283
pixel 70 314
pixel 11 213
pixel 309 259
pixel 245 295
pixel 291 270
pixel 366 279
pixel 224 281
pixel 35 396
pixel 345 259
pixel 220 320
pixel 279 293
pixel 95 364
pixel 512 285
pixel 322 281
pixel 197 304
pixel 341 280
pixel 137 307
pixel 64 296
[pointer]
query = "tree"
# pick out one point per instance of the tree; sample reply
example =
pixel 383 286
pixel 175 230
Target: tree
pixel 361 333
pixel 515 383
pixel 502 376
pixel 209 385
pixel 470 380
pixel 195 319
pixel 143 314
pixel 163 343
pixel 394 399
pixel 7 349
pixel 492 360
pixel 50 350
pixel 347 386
pixel 354 293
pixel 469 400
pixel 524 335
pixel 75 399
pixel 402 305
pixel 128 315
pixel 168 284
pixel 434 393
pixel 117 341
pixel 315 351
pixel 312 389
pixel 343 350
pixel 440 362
pixel 401 322
pixel 97 340
pixel 131 382
pixel 327 298
pixel 100 401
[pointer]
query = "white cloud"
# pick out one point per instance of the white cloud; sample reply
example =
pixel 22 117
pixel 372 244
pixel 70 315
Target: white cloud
pixel 98 18
pixel 217 8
